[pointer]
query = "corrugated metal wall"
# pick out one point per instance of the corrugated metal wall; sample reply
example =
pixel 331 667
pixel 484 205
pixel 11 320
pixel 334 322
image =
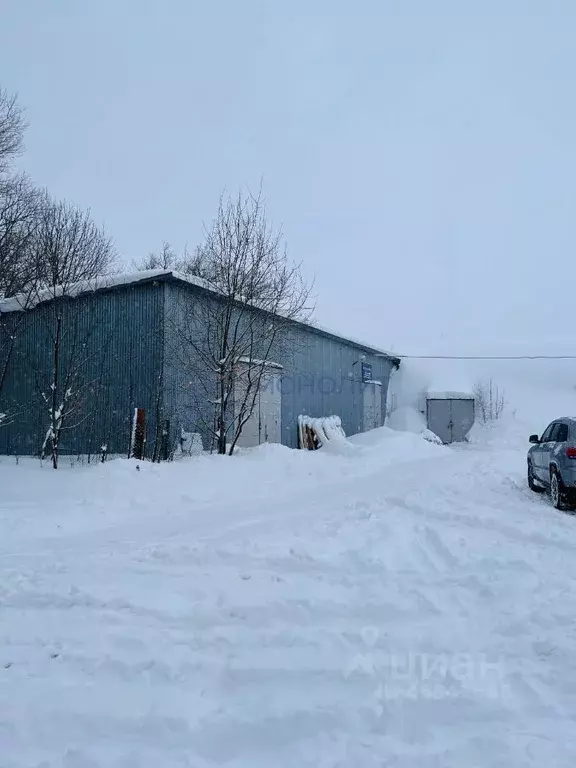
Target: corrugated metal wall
pixel 135 356
pixel 321 375
pixel 189 386
pixel 117 336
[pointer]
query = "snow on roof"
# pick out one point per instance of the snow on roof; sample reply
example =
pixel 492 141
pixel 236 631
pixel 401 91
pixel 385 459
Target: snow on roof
pixel 26 301
pixel 254 361
pixel 449 395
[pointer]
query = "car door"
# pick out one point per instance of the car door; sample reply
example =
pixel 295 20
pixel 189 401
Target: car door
pixel 557 446
pixel 547 445
pixel 537 453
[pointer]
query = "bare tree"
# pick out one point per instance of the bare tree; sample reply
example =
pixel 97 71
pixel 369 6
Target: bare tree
pixel 187 264
pixel 20 207
pixel 7 344
pixel 69 247
pixel 165 258
pixel 16 196
pixel 12 127
pixel 70 255
pixel 17 213
pixel 244 318
pixel 73 351
pixel 48 250
pixel 8 332
pixel 18 218
pixel 489 401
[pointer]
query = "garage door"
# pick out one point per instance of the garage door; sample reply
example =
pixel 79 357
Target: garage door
pixel 451 419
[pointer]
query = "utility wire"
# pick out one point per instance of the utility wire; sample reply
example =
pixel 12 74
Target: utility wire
pixel 485 357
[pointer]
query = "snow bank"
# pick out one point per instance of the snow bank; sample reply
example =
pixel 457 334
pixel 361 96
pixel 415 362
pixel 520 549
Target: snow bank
pixel 407 604
pixel 407 419
pixel 208 478
pixel 385 446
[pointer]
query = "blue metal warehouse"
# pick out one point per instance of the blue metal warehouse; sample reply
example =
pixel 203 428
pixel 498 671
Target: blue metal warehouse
pixel 127 350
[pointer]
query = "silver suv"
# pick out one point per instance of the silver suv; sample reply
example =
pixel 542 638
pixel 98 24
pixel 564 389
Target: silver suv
pixel 552 462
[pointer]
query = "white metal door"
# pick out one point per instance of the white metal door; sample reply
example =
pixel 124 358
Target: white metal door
pixel 372 414
pixel 264 423
pixel 270 407
pixel 378 405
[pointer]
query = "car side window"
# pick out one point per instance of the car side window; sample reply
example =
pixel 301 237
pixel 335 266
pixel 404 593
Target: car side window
pixel 562 434
pixel 546 436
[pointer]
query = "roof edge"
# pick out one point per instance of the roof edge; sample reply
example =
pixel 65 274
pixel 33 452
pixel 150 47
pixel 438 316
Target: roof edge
pixel 22 303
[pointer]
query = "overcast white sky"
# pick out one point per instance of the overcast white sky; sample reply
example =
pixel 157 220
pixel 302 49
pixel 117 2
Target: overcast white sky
pixel 420 155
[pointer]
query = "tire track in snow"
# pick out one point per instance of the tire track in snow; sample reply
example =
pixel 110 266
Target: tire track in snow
pixel 266 665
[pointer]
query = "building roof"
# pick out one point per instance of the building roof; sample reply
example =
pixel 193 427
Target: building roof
pixel 24 302
pixel 448 394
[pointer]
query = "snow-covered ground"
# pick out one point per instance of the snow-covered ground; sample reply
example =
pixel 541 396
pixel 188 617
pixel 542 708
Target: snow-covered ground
pixel 384 603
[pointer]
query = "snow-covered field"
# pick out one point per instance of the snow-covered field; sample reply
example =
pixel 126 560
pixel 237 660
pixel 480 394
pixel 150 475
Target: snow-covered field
pixel 387 603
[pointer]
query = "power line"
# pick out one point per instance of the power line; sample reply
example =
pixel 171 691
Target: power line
pixel 485 357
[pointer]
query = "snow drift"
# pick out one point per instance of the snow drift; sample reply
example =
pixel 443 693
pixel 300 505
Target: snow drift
pixel 405 604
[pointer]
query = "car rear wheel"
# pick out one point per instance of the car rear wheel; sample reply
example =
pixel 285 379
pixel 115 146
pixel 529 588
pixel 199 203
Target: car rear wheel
pixel 532 482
